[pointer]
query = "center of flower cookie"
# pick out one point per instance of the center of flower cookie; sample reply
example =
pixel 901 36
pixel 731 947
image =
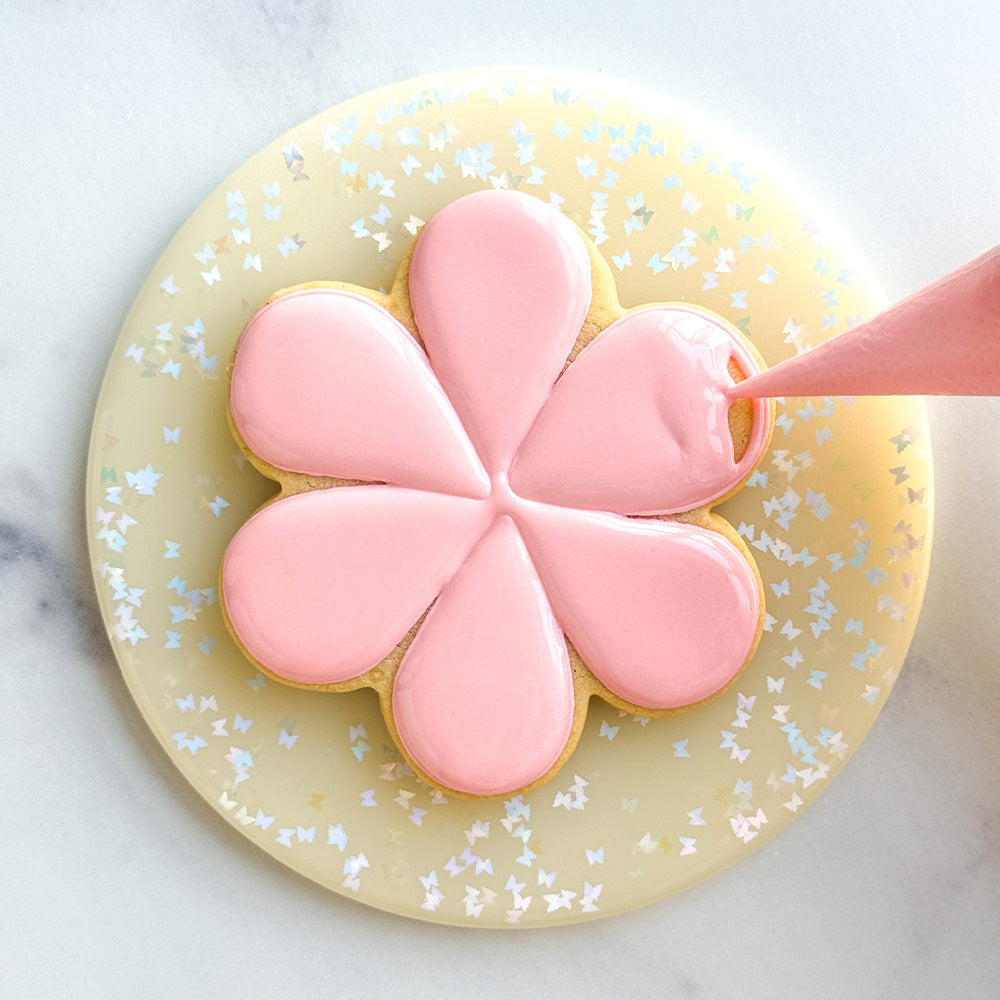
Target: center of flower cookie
pixel 507 507
pixel 503 500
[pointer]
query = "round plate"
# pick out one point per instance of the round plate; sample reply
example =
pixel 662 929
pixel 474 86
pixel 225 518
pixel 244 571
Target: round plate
pixel 838 514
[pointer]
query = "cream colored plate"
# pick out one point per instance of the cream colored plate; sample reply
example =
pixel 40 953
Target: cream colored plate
pixel 838 513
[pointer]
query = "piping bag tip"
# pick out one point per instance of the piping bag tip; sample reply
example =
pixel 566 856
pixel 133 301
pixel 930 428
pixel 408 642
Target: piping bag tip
pixel 943 340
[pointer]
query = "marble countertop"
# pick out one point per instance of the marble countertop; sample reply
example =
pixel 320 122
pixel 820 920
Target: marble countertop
pixel 118 880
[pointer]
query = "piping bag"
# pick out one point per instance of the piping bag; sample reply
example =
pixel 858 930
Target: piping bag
pixel 943 340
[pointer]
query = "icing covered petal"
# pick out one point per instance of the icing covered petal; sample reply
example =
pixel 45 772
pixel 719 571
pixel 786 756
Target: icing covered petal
pixel 638 424
pixel 321 586
pixel 483 700
pixel 664 613
pixel 500 286
pixel 327 383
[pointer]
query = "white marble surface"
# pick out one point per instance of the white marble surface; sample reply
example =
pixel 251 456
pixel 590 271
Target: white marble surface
pixel 117 880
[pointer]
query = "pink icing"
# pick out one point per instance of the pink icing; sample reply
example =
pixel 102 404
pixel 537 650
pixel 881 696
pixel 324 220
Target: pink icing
pixel 321 586
pixel 655 379
pixel 691 604
pixel 942 340
pixel 511 665
pixel 498 324
pixel 366 406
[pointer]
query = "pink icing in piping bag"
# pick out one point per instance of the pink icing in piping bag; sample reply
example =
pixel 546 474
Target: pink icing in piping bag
pixel 941 341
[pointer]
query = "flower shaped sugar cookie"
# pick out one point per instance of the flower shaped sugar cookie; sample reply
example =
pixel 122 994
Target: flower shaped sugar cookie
pixel 495 495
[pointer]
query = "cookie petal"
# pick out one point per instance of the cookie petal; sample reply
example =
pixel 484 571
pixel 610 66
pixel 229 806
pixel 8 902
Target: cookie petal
pixel 327 383
pixel 638 424
pixel 483 700
pixel 321 586
pixel 665 614
pixel 500 286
